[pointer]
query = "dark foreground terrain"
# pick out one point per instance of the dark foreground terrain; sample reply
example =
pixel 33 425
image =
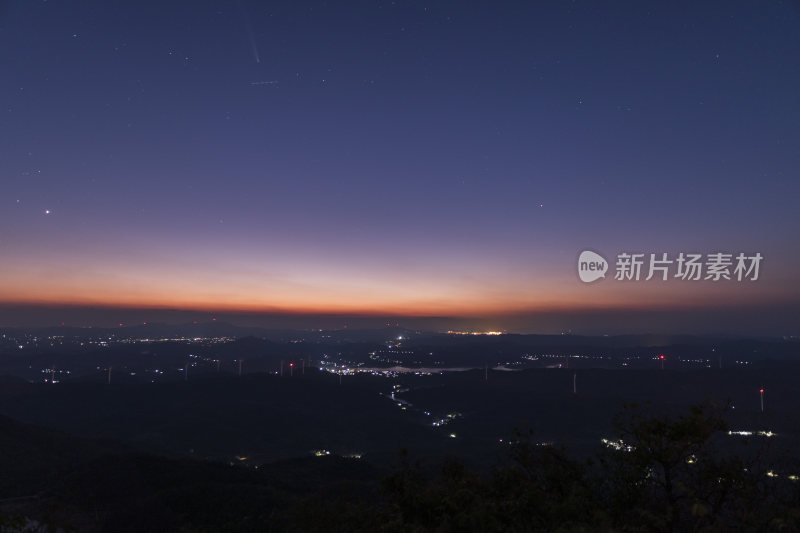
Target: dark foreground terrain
pixel 474 450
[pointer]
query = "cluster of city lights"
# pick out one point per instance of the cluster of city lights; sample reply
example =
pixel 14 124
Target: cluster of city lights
pixel 476 332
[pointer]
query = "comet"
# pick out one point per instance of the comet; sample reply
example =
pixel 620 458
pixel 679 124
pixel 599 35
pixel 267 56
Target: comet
pixel 249 31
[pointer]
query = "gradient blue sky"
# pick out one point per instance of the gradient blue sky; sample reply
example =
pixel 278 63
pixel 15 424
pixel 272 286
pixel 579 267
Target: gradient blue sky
pixel 445 159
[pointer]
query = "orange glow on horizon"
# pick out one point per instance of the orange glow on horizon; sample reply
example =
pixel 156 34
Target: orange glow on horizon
pixel 464 305
pixel 195 282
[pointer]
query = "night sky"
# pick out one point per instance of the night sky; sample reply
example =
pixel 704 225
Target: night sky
pixel 174 160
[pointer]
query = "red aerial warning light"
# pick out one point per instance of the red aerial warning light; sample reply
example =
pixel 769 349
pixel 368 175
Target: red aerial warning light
pixel 761 391
pixel 291 364
pixel 661 357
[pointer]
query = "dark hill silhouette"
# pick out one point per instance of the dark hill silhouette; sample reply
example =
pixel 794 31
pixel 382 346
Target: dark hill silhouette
pixel 32 457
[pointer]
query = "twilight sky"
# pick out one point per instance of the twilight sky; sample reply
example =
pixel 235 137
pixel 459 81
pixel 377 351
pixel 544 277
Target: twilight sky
pixel 398 159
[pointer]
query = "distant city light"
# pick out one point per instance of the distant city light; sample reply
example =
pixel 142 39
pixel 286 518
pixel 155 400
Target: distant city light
pixel 759 433
pixel 451 332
